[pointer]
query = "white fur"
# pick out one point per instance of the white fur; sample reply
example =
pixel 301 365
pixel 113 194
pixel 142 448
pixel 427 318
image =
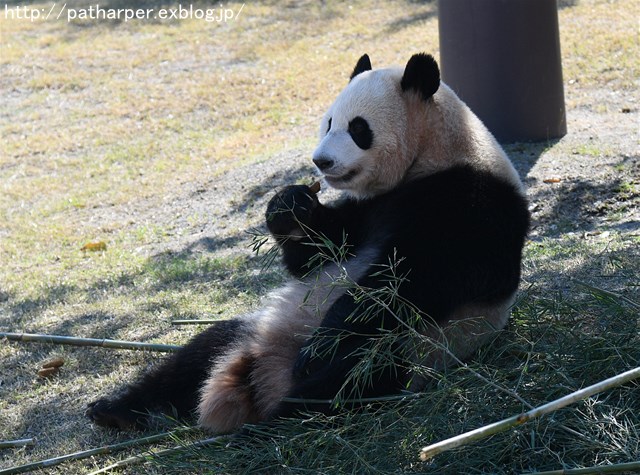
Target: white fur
pixel 468 328
pixel 235 394
pixel 375 96
pixel 412 138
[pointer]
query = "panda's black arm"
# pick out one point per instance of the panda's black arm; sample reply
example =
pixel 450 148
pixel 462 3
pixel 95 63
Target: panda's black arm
pixel 309 232
pixel 326 237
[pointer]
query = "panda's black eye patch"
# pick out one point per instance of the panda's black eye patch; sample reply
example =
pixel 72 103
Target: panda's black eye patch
pixel 328 127
pixel 361 133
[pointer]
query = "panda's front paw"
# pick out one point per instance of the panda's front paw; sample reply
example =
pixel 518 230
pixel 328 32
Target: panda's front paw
pixel 289 212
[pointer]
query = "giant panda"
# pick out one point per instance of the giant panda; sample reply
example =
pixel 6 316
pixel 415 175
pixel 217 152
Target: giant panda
pixel 429 197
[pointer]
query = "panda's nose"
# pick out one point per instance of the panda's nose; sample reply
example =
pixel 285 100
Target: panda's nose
pixel 323 162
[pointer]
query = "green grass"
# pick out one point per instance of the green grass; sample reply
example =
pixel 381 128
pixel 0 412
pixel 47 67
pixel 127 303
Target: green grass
pixel 113 132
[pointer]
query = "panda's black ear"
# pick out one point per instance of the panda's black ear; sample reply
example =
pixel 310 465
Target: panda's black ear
pixel 421 75
pixel 363 64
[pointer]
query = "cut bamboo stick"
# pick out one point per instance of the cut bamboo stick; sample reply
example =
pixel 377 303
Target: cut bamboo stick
pixel 7 444
pixel 627 467
pixel 107 449
pixel 463 439
pixel 76 341
pixel 136 459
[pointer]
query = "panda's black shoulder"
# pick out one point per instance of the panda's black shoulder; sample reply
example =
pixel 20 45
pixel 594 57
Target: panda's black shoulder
pixel 464 181
pixel 459 197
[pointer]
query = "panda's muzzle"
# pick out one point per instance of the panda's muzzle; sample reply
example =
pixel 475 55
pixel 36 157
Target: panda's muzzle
pixel 323 163
pixel 332 171
pixel 334 180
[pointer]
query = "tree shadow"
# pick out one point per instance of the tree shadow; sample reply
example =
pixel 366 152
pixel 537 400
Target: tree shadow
pixel 567 3
pixel 260 192
pixel 208 244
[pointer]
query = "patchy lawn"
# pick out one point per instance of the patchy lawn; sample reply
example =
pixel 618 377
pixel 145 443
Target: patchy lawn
pixel 165 140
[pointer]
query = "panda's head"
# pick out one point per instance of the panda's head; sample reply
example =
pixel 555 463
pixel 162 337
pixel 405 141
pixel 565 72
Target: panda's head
pixel 367 138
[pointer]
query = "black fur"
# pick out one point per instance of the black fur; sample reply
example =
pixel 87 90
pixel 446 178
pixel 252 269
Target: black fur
pixel 288 213
pixel 458 235
pixel 421 75
pixel 363 64
pixel 361 133
pixel 172 387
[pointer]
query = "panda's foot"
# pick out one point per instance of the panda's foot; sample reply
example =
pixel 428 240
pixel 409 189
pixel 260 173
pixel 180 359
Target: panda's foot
pixel 108 413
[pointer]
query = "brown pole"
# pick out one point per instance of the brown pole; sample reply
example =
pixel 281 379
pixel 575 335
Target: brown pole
pixel 502 57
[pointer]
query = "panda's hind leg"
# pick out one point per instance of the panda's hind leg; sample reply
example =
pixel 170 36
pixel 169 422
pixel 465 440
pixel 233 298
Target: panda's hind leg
pixel 173 386
pixel 248 382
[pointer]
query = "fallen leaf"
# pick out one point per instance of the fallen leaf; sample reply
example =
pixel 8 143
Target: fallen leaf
pixel 53 363
pixel 94 246
pixel 47 372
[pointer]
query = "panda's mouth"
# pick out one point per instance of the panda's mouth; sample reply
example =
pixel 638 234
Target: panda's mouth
pixel 344 178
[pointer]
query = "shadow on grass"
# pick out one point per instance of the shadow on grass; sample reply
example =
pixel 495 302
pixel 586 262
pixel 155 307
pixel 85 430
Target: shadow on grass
pixel 554 344
pixel 524 155
pixel 414 18
pixel 272 184
pixel 217 269
pixel 163 273
pixel 567 3
pixel 582 205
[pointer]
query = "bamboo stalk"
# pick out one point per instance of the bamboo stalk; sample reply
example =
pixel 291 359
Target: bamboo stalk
pixel 491 429
pixel 615 468
pixel 107 449
pixel 194 322
pixel 76 341
pixel 363 400
pixel 7 444
pixel 136 459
